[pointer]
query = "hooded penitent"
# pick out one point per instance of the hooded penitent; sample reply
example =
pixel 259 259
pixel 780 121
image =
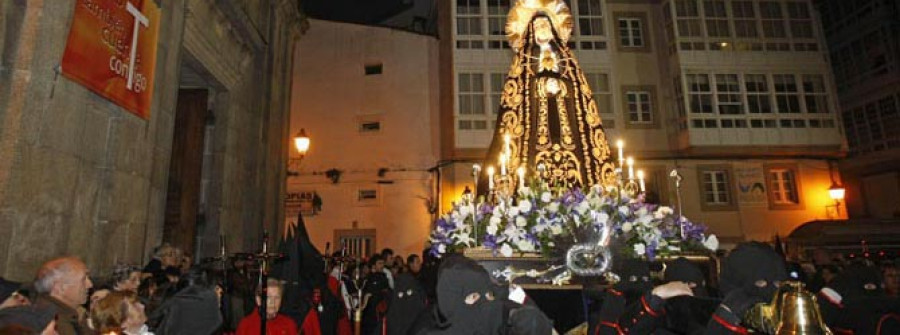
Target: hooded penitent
pixel 467 299
pixel 858 280
pixel 407 300
pixel 749 264
pixel 634 278
pixel 683 270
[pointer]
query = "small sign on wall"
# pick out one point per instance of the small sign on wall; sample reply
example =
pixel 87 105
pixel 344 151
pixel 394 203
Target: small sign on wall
pixel 111 50
pixel 307 203
pixel 751 185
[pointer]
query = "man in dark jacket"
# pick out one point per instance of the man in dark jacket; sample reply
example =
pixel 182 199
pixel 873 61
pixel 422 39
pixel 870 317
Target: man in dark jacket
pixel 63 285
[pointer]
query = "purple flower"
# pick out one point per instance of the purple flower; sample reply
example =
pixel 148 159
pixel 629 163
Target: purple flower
pixel 651 250
pixel 443 224
pixel 572 197
pixel 490 241
pixel 485 209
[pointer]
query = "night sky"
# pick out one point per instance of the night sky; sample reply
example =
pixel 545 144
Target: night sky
pixel 356 11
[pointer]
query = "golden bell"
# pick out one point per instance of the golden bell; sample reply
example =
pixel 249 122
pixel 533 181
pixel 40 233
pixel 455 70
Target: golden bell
pixel 793 311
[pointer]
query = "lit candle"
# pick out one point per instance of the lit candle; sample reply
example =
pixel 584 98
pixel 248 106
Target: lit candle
pixel 630 162
pixel 640 175
pixel 521 172
pixel 503 161
pixel 506 139
pixel 621 145
pixel 490 172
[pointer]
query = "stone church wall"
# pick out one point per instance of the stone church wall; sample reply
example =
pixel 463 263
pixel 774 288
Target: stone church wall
pixel 81 176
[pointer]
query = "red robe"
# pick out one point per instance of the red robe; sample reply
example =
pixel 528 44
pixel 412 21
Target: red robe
pixel 343 326
pixel 280 325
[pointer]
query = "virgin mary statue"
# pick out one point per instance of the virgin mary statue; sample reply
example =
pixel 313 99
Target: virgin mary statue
pixel 548 122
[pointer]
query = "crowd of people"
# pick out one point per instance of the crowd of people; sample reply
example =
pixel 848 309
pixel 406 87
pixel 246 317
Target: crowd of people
pixel 392 294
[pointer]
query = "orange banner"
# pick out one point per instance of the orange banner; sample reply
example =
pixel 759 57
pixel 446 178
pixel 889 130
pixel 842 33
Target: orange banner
pixel 111 50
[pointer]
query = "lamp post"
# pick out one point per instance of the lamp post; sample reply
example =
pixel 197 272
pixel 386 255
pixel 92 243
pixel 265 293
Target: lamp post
pixel 301 143
pixel 836 192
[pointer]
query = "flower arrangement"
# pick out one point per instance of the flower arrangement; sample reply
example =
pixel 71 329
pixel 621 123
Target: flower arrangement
pixel 543 218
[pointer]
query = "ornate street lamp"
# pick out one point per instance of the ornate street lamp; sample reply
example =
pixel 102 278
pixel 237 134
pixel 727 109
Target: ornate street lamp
pixel 301 143
pixel 836 192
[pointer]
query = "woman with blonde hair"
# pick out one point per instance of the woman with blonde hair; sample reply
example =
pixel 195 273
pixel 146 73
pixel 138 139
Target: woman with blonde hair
pixel 120 312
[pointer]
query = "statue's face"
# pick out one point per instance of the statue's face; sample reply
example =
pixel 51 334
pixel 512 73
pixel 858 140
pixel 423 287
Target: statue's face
pixel 543 31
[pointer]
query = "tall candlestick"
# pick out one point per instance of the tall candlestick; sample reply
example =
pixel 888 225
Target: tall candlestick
pixel 640 175
pixel 476 173
pixel 630 162
pixel 521 172
pixel 621 145
pixel 503 162
pixel 490 172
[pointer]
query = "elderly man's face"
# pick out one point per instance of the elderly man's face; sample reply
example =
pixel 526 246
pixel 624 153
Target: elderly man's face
pixel 73 289
pixel 273 302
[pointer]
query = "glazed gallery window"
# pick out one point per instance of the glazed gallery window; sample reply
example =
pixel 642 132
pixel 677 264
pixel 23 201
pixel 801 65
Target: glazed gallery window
pixel 757 86
pixel 783 186
pixel 772 19
pixel 814 94
pixel 716 18
pixel 786 94
pixel 744 19
pixel 630 34
pixel 728 94
pixel 497 12
pixel 468 17
pixel 590 18
pixel 688 18
pixel 700 93
pixel 639 107
pixel 471 101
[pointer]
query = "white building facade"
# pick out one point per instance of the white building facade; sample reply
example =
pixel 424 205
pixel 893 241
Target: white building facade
pixel 367 98
pixel 737 95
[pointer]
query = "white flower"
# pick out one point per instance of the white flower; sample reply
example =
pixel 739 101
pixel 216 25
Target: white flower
pixel 495 220
pixel 506 250
pixel 582 207
pixel 525 245
pixel 465 210
pixel 662 212
pixel 602 218
pixel 524 206
pixel 555 229
pixel 465 239
pixel 554 207
pixel 513 211
pixel 492 229
pixel 520 221
pixel 545 197
pixel 641 211
pixel 624 210
pixel 640 249
pixel 711 242
pixel 498 211
pixel 626 227
pixel 525 191
pixel 442 248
